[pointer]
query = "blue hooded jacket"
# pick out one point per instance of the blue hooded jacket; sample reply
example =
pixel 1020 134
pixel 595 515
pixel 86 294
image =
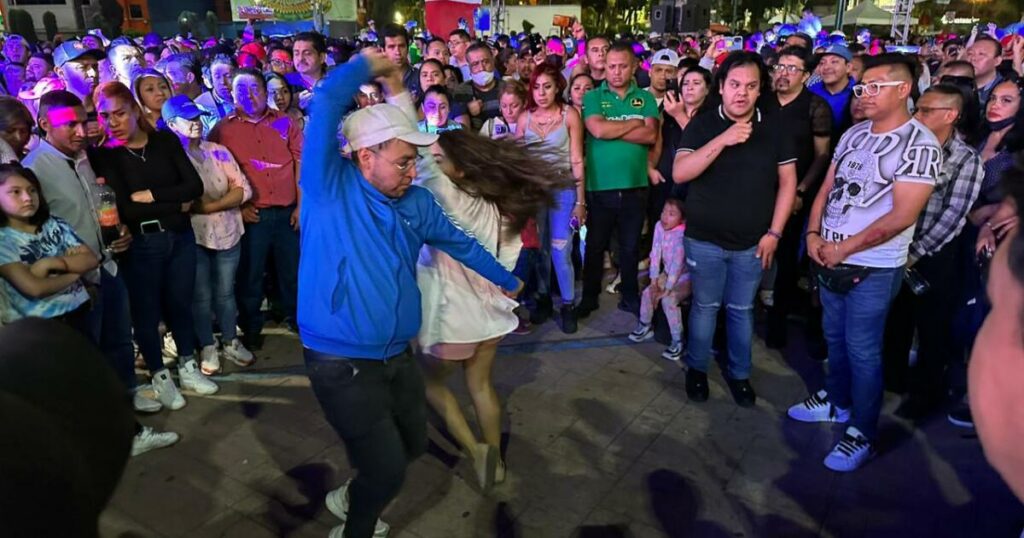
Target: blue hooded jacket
pixel 358 296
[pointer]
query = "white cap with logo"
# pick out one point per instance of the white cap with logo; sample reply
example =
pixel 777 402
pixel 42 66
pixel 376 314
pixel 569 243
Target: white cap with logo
pixel 665 57
pixel 379 123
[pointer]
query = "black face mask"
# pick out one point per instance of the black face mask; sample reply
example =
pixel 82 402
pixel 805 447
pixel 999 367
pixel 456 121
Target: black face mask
pixel 994 126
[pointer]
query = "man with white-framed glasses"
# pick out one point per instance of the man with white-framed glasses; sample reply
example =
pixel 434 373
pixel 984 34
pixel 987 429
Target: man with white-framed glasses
pixel 860 230
pixel 808 121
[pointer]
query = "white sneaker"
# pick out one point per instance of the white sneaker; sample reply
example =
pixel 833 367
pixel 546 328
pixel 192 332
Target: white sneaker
pixel 337 504
pixel 674 352
pixel 209 360
pixel 642 333
pixel 143 403
pixel 851 452
pixel 166 391
pixel 169 349
pixel 150 439
pixel 817 408
pixel 613 287
pixel 235 352
pixel 193 379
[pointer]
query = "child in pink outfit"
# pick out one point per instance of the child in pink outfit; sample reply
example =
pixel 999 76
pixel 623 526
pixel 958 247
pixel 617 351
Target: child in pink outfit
pixel 670 283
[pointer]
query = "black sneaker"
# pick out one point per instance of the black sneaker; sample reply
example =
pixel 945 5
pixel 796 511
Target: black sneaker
pixel 696 385
pixel 542 312
pixel 567 319
pixel 633 307
pixel 742 392
pixel 252 342
pixel 585 308
pixel 961 417
pixel 916 408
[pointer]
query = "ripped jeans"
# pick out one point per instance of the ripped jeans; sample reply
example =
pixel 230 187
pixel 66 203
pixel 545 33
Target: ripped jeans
pixel 718 275
pixel 556 245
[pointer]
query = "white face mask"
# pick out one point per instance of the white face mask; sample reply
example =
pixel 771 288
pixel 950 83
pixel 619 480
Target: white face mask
pixel 483 78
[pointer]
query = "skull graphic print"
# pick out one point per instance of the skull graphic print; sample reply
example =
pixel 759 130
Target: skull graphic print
pixel 867 167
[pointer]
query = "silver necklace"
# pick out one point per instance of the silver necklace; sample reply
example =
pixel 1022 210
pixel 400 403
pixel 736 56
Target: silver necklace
pixel 141 156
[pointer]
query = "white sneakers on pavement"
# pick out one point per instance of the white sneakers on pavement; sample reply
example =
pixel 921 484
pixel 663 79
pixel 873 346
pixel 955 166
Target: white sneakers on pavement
pixel 166 391
pixel 143 403
pixel 150 439
pixel 817 408
pixel 209 360
pixel 235 352
pixel 193 379
pixel 850 453
pixel 337 503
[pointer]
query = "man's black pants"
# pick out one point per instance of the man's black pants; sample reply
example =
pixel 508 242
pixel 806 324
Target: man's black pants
pixel 606 210
pixel 931 314
pixel 378 408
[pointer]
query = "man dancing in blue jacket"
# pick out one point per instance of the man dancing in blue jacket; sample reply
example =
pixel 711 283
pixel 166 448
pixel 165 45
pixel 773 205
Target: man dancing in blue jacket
pixel 362 225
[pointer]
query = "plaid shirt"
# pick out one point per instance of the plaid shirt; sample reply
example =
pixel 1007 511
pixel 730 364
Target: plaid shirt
pixel 956 189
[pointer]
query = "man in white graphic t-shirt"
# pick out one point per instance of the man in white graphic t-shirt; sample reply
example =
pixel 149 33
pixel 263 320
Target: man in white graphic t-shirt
pixel 861 226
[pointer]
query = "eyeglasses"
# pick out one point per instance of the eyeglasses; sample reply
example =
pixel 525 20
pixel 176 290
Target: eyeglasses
pixel 872 89
pixel 779 68
pixel 400 167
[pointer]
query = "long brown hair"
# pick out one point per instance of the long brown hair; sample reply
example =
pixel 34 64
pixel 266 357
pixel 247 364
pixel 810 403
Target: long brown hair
pixel 116 90
pixel 515 177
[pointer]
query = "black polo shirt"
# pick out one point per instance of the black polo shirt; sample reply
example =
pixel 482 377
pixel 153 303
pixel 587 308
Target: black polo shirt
pixel 805 117
pixel 731 204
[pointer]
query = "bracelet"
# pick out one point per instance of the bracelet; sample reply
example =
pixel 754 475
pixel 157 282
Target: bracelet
pixel 581 204
pixel 812 232
pixel 774 234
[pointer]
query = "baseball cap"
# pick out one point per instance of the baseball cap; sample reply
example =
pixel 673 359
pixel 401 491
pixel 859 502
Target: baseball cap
pixel 180 106
pixel 72 50
pixel 841 51
pixel 665 57
pixel 379 123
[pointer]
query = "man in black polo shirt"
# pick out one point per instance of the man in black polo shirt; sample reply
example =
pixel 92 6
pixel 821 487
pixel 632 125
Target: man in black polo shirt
pixel 743 178
pixel 808 121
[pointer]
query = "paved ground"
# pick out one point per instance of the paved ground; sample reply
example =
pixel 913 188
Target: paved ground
pixel 601 442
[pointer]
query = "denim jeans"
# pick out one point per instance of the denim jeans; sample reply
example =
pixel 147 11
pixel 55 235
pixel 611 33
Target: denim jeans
pixel 272 233
pixel 215 293
pixel 160 271
pixel 378 408
pixel 556 244
pixel 607 210
pixel 526 270
pixel 854 326
pixel 110 326
pixel 718 275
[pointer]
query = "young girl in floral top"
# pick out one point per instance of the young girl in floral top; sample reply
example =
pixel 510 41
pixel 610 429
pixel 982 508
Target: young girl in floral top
pixel 670 283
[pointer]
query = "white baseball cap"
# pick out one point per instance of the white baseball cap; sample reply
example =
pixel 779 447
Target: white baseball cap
pixel 665 57
pixel 379 123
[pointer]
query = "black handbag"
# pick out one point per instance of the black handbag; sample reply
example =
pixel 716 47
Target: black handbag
pixel 842 278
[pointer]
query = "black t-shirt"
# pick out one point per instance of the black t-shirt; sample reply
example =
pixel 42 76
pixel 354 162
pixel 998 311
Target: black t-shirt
pixel 731 204
pixel 161 167
pixel 491 103
pixel 804 118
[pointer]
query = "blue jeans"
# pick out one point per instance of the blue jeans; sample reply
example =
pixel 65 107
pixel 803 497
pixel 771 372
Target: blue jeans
pixel 556 244
pixel 215 293
pixel 718 275
pixel 110 326
pixel 160 271
pixel 272 233
pixel 854 325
